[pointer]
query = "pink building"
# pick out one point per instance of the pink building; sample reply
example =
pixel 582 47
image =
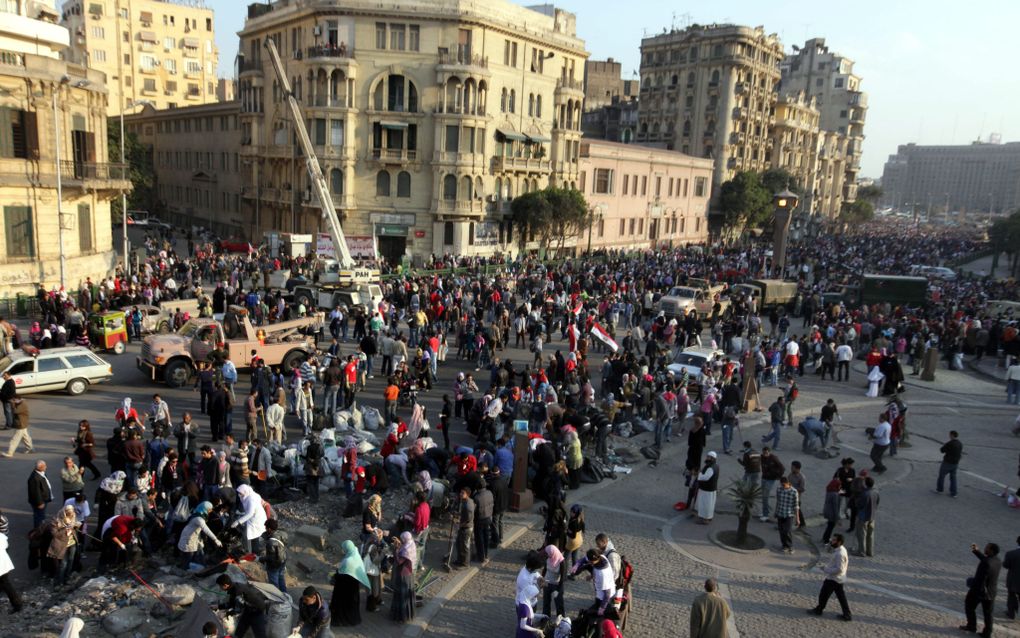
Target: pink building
pixel 643 197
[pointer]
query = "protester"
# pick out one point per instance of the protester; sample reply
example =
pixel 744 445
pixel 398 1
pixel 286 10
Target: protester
pixel 835 576
pixel 982 588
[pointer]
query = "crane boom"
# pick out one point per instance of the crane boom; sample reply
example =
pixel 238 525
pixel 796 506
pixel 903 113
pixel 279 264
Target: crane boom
pixel 319 186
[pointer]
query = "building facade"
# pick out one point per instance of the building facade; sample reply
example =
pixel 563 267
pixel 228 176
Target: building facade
pixel 709 91
pixel 162 52
pixel 615 122
pixel 427 117
pixel 604 84
pixel 829 78
pixel 643 197
pixel 56 181
pixel 196 157
pixel 978 177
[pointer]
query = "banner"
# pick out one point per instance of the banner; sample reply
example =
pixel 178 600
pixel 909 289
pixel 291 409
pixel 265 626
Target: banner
pixel 599 333
pixel 486 233
pixel 361 247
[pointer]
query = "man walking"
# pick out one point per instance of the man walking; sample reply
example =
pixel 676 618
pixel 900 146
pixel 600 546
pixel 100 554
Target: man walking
pixel 40 492
pixel 844 355
pixel 867 506
pixel 835 576
pixel 7 393
pixel 952 450
pixel 751 462
pixel 982 588
pixel 790 395
pixel 881 438
pixel 777 412
pixel 787 506
pixel 709 613
pixel 1012 564
pixel 21 423
pixel 772 470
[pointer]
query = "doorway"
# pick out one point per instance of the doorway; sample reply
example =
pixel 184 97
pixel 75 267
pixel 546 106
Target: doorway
pixel 392 249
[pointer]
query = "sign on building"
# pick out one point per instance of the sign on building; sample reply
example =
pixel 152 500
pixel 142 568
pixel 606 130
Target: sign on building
pixel 360 246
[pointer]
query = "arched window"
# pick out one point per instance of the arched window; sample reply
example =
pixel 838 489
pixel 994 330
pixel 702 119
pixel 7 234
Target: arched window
pixel 395 93
pixel 503 101
pixel 538 106
pixel 531 105
pixel 478 188
pixel 644 127
pixel 382 184
pixel 715 77
pixel 513 101
pixel 336 181
pixel 450 187
pixel 403 184
pixel 690 79
pixel 466 187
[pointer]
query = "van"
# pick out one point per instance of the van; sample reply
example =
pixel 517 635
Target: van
pixel 72 369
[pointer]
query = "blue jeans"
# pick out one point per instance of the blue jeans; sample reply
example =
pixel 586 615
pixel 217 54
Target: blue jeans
pixel 773 436
pixel 768 486
pixel 8 414
pixel 38 516
pixel 1012 393
pixel 727 436
pixel 66 564
pixel 944 469
pixel 276 577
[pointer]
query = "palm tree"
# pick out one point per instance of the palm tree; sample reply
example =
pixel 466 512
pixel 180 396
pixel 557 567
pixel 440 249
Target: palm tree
pixel 744 495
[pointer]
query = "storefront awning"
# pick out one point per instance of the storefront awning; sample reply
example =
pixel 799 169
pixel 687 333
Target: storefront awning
pixel 396 125
pixel 511 135
pixel 539 139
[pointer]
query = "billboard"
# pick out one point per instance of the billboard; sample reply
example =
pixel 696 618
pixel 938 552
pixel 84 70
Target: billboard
pixel 361 246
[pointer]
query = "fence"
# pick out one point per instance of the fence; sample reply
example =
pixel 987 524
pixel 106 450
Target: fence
pixel 20 307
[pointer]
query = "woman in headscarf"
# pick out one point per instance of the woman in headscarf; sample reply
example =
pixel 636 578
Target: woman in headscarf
pixel 575 532
pixel 373 551
pixel 348 469
pixel 107 495
pixel 402 608
pixel 345 603
pixel 72 628
pixel 708 482
pixel 555 573
pixel 64 543
pixel 191 544
pixel 526 600
pixel 126 412
pixel 371 518
pixel 574 459
pixel 695 446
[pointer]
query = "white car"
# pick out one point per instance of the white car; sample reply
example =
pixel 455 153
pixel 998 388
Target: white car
pixel 693 359
pixel 72 369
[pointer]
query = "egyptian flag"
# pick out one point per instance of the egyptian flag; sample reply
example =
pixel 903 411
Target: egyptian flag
pixel 578 306
pixel 573 335
pixel 599 333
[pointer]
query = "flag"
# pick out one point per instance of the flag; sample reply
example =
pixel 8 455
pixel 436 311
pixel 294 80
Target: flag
pixel 599 333
pixel 572 335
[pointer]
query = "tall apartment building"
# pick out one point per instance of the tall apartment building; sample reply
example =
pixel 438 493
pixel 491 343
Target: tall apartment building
pixel 644 197
pixel 427 117
pixel 196 158
pixel 158 51
pixel 829 78
pixel 968 178
pixel 604 84
pixel 709 91
pixel 795 144
pixel 56 181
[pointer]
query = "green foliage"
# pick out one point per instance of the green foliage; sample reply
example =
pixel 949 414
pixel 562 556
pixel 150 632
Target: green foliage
pixel 143 194
pixel 1004 236
pixel 744 495
pixel 857 212
pixel 745 201
pixel 870 193
pixel 776 180
pixel 552 213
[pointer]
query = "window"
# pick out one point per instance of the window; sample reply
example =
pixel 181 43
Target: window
pixel 18 231
pixel 170 65
pixel 398 33
pixel 147 62
pixel 633 223
pixel 336 132
pixel 448 233
pixel 843 114
pixel 839 83
pixel 623 226
pixel 658 187
pixel 644 185
pixel 450 187
pixel 336 181
pixel 149 84
pixel 538 106
pixel 80 361
pixel 98 55
pixel 380 35
pixel 699 186
pixel 626 183
pixel 98 32
pixel 193 66
pixel 208 24
pixel 819 81
pixel 169 44
pixel 382 184
pixel 127 62
pixel 403 184
pixel 452 139
pixel 85 244
pixel 413 37
pixel 503 99
pixel 686 184
pixel 319 131
pixel 50 364
pixel 511 106
pixel 603 180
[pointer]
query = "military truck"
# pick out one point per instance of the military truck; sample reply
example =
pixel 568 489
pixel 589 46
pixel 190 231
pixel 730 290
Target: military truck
pixel 894 289
pixel 769 293
pixel 680 301
pixel 356 289
pixel 173 357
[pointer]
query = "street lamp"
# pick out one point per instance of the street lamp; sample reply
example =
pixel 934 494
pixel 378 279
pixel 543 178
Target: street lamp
pixel 60 193
pixel 123 194
pixel 594 215
pixel 785 202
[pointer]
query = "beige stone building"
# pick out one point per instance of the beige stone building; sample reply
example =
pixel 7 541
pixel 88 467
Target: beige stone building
pixel 56 181
pixel 427 117
pixel 158 51
pixel 196 158
pixel 604 84
pixel 829 78
pixel 643 197
pixel 709 91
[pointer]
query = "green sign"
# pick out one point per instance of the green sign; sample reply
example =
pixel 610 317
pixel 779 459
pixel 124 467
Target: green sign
pixel 391 230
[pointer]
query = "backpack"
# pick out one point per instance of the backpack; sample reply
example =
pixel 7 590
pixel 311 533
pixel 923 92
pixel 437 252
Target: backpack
pixel 276 552
pixel 794 393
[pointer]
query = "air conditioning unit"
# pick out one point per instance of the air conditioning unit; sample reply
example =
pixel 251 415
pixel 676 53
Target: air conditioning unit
pixel 316 31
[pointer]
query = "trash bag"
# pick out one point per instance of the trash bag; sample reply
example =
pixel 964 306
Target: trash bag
pixel 643 425
pixel 625 429
pixel 370 418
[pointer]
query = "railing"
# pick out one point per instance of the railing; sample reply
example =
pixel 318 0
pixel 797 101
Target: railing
pixel 462 205
pixel 463 58
pixel 395 154
pixel 522 164
pixel 249 66
pixel 570 83
pixel 11 58
pixel 331 51
pixel 460 109
pixel 71 171
pixel 335 101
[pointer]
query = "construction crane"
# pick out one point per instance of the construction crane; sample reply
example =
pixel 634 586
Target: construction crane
pixel 318 182
pixel 353 286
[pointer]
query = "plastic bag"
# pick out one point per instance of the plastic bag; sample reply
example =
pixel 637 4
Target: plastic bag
pixel 370 418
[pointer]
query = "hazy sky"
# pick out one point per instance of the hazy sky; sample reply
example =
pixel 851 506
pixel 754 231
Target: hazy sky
pixel 936 72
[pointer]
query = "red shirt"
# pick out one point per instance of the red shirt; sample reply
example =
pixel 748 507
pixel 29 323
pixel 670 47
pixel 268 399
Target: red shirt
pixel 351 372
pixel 120 528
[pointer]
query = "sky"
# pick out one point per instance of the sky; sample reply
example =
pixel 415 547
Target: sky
pixel 936 72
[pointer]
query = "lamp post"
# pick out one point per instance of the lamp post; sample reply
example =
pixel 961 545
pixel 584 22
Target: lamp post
pixel 123 194
pixel 785 202
pixel 594 215
pixel 60 192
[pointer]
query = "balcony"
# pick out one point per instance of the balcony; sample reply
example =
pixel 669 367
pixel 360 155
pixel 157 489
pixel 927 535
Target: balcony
pixel 250 67
pixel 736 138
pixel 739 88
pixel 459 109
pixel 572 86
pixel 521 164
pixel 857 116
pixel 739 113
pixel 328 101
pixel 858 98
pixel 460 206
pixel 94 176
pixel 330 51
pixel 461 59
pixel 394 155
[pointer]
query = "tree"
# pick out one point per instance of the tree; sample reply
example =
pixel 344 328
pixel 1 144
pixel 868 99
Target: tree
pixel 745 201
pixel 870 193
pixel 549 214
pixel 531 213
pixel 776 180
pixel 857 212
pixel 744 495
pixel 143 194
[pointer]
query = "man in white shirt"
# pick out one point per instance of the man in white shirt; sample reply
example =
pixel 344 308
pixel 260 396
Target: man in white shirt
pixel 835 576
pixel 844 355
pixel 881 438
pixel 274 423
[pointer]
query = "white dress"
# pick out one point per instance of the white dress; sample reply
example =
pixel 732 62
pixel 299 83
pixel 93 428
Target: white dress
pixel 706 500
pixel 874 379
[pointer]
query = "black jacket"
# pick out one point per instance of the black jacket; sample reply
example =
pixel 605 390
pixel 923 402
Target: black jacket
pixel 38 490
pixel 986 578
pixel 952 451
pixel 500 488
pixel 8 390
pixel 1012 564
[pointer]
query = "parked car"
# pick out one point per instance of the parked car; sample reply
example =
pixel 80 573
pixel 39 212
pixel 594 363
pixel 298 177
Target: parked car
pixel 72 369
pixel 693 359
